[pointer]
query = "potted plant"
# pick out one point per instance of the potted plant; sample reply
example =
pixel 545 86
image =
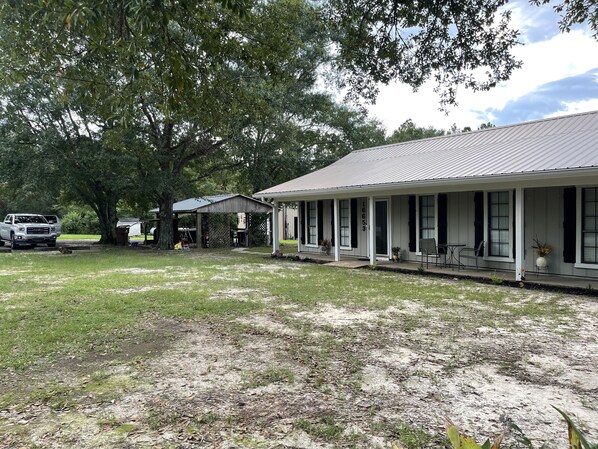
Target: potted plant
pixel 542 249
pixel 396 253
pixel 325 246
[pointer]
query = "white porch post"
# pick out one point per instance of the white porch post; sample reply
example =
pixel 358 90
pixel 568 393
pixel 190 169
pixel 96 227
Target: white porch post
pixel 519 233
pixel 275 238
pixel 337 234
pixel 198 232
pixel 299 226
pixel 372 236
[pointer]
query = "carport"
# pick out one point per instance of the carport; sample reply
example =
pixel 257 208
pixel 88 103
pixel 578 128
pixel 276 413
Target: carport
pixel 215 221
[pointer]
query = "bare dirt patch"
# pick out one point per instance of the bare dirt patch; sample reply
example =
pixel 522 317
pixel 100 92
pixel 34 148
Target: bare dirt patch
pixel 317 378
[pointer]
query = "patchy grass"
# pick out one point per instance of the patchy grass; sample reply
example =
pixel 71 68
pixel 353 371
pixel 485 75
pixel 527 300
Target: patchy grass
pixel 215 347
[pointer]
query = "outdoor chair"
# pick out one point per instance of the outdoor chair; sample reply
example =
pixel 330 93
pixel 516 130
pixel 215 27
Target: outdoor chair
pixel 429 250
pixel 472 253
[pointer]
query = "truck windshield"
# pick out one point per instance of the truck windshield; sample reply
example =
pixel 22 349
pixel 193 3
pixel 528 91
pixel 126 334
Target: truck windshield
pixel 30 219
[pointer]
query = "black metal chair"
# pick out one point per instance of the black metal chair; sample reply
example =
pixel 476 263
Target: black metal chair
pixel 429 249
pixel 472 253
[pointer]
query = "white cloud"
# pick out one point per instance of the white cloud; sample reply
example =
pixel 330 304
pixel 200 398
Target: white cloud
pixel 561 56
pixel 574 108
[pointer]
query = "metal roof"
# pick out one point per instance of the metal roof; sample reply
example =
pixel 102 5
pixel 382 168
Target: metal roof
pixel 533 148
pixel 192 205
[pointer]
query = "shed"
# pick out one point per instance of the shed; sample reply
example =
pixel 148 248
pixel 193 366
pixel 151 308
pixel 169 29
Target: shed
pixel 132 224
pixel 224 220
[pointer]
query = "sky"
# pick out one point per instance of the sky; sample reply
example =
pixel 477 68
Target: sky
pixel 559 76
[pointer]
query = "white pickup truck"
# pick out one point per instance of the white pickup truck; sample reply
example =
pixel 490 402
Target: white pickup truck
pixel 27 229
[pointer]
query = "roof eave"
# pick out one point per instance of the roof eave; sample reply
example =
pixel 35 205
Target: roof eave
pixel 510 178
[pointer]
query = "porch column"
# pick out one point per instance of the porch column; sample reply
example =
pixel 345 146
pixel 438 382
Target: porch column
pixel 198 232
pixel 519 233
pixel 275 239
pixel 337 234
pixel 299 227
pixel 372 239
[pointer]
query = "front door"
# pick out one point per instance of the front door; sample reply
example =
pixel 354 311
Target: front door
pixel 382 227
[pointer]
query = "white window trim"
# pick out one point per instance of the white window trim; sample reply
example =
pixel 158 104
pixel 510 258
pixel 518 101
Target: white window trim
pixel 339 223
pixel 578 245
pixel 489 258
pixel 417 227
pixel 311 245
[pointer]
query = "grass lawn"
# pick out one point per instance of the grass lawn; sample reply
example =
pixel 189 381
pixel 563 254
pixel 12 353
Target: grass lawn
pixel 121 347
pixel 95 237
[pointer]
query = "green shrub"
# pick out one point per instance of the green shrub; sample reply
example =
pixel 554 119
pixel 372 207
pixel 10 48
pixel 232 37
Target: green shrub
pixel 80 221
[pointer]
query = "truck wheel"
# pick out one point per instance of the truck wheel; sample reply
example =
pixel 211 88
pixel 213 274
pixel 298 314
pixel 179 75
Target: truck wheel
pixel 13 242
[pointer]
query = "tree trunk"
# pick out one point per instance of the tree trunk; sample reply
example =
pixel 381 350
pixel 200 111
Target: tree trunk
pixel 108 220
pixel 107 217
pixel 165 215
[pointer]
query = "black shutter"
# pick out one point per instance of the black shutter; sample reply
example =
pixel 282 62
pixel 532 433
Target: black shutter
pixel 569 224
pixel 442 219
pixel 320 220
pixel 478 223
pixel 353 222
pixel 412 223
pixel 302 220
pixel 332 233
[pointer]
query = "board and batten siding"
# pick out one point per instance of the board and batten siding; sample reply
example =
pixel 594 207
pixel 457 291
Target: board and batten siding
pixel 326 221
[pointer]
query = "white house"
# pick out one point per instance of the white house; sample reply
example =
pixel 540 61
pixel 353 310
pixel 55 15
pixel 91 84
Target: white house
pixel 501 186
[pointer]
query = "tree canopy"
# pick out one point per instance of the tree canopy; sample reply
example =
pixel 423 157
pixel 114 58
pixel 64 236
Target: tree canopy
pixel 181 89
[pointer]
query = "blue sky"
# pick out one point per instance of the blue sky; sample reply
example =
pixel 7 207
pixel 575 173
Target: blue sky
pixel 559 76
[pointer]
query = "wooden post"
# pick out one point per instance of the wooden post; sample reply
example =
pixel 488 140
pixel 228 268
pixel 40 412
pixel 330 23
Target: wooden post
pixel 198 241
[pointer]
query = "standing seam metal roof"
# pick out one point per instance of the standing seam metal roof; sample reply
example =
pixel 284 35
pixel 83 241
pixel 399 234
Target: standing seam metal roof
pixel 559 143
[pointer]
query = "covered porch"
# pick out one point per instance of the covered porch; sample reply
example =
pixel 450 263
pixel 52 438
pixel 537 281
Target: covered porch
pixel 503 222
pixel 505 191
pixel 533 280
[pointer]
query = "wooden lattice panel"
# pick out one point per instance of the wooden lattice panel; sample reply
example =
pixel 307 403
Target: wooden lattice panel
pixel 219 231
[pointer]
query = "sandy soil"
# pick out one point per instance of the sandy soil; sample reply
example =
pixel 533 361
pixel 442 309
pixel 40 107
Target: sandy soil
pixel 323 378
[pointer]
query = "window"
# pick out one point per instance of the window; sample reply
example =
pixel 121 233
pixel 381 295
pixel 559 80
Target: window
pixel 427 222
pixel 589 227
pixel 345 223
pixel 312 223
pixel 498 224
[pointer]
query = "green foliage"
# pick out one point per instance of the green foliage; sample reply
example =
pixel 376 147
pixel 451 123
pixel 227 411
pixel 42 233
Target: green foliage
pixel 325 427
pixel 577 439
pixel 80 221
pixel 496 279
pixel 573 12
pixel 409 131
pixel 387 40
pixel 410 437
pixel 461 441
pixel 272 375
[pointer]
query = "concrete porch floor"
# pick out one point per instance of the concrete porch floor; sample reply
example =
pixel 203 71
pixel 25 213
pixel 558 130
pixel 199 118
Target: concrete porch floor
pixel 532 279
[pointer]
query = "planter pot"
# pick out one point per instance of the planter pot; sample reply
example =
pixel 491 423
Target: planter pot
pixel 395 258
pixel 541 262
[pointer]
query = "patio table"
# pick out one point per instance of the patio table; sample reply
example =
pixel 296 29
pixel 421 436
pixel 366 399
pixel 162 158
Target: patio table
pixel 449 248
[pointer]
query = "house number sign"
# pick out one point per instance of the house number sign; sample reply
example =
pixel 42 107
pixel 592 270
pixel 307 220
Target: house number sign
pixel 364 223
